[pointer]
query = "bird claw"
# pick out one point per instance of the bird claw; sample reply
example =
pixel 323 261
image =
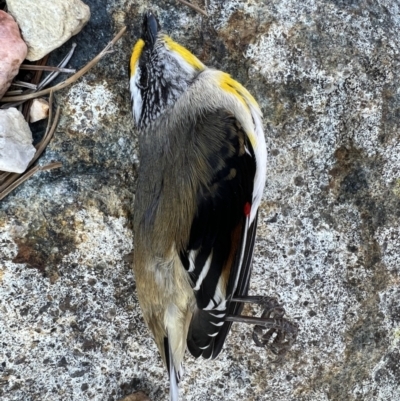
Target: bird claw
pixel 271 329
pixel 274 332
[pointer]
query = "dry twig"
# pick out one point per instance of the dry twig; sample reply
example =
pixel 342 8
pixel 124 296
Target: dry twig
pixel 34 67
pixel 34 87
pixel 14 92
pixel 25 85
pixel 10 181
pixel 71 79
pixel 198 9
pixel 51 166
pixel 13 180
pixel 4 175
pixel 36 79
pixel 19 181
pixel 22 178
pixel 55 74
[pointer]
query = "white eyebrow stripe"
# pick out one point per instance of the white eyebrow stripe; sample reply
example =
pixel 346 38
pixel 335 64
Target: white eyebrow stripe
pixel 136 96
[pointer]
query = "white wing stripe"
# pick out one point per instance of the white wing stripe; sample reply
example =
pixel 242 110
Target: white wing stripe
pixel 260 153
pixel 221 306
pixel 203 273
pixel 192 258
pixel 210 305
pixel 246 229
pixel 218 316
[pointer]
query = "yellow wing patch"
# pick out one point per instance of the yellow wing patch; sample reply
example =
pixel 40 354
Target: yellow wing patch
pixel 253 139
pixel 137 51
pixel 184 53
pixel 228 84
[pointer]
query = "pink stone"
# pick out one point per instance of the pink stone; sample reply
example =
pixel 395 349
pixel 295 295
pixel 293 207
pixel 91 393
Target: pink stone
pixel 13 50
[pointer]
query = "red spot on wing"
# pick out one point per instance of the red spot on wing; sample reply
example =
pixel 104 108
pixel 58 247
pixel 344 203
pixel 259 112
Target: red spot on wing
pixel 247 209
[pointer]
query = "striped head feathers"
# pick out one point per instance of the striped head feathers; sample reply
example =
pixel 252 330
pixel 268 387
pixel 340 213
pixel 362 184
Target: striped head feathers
pixel 160 71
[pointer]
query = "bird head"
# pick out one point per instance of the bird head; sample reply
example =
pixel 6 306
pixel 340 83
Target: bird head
pixel 160 71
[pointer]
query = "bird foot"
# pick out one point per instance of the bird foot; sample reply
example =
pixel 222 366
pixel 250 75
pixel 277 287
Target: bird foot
pixel 271 329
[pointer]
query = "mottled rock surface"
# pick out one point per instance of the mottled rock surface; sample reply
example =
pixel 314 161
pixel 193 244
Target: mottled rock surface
pixel 16 149
pixel 46 25
pixel 13 50
pixel 139 396
pixel 326 76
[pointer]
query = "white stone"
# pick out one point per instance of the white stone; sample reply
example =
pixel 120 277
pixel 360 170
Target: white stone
pixel 46 25
pixel 16 149
pixel 39 110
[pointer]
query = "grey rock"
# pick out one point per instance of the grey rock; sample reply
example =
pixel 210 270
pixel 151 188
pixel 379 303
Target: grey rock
pixel 139 396
pixel 46 25
pixel 326 76
pixel 16 149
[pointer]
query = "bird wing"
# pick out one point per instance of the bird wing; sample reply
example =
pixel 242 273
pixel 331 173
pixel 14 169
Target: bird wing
pixel 219 252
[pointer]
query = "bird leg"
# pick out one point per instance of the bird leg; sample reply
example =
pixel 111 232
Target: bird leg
pixel 271 330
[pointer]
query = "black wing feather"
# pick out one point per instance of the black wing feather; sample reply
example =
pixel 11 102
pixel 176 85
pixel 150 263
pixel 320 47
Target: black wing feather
pixel 218 230
pixel 242 289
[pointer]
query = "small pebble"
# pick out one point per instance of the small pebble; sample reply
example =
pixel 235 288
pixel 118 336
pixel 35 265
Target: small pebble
pixel 39 110
pixel 16 149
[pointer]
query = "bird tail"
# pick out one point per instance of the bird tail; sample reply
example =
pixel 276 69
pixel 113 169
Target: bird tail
pixel 174 375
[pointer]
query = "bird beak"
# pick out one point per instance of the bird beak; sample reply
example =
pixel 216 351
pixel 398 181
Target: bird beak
pixel 150 28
